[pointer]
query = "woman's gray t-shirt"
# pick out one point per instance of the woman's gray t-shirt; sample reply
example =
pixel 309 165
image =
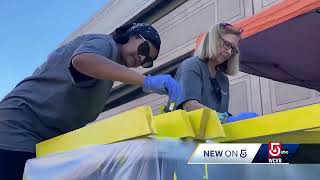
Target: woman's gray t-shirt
pixel 53 100
pixel 198 84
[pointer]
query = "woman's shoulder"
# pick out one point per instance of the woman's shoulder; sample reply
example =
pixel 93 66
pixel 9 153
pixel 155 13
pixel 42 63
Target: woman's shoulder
pixel 193 63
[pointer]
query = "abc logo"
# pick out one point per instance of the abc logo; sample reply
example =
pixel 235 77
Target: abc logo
pixel 274 149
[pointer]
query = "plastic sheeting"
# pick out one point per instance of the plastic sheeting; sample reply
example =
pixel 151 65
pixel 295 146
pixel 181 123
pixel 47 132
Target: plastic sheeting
pixel 151 159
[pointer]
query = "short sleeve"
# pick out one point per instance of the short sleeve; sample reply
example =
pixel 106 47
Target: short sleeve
pixel 98 46
pixel 190 79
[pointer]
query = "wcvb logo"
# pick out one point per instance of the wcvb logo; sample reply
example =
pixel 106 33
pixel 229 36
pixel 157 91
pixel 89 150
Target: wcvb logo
pixel 274 149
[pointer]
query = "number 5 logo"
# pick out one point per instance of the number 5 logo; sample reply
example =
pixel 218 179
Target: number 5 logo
pixel 274 149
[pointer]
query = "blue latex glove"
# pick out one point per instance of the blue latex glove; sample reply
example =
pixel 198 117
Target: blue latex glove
pixel 163 84
pixel 223 117
pixel 242 116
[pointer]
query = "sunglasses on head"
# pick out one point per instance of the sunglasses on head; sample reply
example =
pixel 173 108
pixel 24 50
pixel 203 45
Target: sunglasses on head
pixel 231 27
pixel 144 50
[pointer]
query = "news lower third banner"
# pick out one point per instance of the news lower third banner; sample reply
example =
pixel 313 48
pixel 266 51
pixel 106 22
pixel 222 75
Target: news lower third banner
pixel 274 152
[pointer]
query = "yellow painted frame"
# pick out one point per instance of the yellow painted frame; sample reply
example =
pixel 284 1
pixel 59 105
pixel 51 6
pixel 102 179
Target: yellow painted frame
pixel 298 125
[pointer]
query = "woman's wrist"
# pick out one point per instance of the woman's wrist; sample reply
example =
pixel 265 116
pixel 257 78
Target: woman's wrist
pixel 141 80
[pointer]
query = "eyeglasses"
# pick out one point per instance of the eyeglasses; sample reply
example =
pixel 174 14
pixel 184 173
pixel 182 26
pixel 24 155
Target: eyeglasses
pixel 228 45
pixel 234 30
pixel 144 50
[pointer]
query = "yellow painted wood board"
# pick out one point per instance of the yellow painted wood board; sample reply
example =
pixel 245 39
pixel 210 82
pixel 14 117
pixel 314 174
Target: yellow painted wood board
pixel 174 124
pixel 127 125
pixel 206 124
pixel 302 118
pixel 289 126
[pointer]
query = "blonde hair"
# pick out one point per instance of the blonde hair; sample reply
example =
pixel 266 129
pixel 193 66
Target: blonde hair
pixel 208 47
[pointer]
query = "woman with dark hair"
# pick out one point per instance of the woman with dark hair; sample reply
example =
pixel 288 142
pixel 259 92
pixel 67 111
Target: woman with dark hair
pixel 203 77
pixel 70 90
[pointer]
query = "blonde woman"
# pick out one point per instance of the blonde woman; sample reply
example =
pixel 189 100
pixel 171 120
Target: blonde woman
pixel 203 77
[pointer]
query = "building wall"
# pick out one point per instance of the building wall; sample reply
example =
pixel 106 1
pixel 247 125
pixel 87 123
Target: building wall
pixel 179 29
pixel 276 96
pixel 112 15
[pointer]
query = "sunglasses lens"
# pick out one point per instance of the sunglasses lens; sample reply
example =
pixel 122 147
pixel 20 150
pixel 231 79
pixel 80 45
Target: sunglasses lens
pixel 226 24
pixel 148 63
pixel 144 49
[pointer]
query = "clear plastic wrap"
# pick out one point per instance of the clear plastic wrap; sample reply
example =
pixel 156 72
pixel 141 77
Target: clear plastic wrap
pixel 150 159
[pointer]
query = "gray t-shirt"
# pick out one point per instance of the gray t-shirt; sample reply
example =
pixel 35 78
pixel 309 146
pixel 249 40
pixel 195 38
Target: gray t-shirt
pixel 198 84
pixel 56 98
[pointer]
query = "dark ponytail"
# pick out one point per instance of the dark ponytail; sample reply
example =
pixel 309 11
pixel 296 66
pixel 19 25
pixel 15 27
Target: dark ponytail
pixel 122 34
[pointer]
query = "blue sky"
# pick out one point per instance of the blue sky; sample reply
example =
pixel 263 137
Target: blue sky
pixel 30 29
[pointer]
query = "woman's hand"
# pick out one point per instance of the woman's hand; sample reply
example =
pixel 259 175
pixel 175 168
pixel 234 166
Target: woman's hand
pixel 163 84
